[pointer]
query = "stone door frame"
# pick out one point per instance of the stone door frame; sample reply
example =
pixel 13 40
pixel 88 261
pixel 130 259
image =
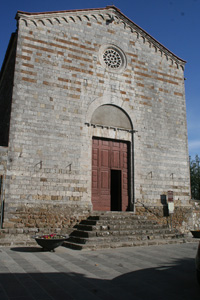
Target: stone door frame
pixel 92 130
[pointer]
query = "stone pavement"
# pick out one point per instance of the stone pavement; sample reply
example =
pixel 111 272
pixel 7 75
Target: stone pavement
pixel 154 272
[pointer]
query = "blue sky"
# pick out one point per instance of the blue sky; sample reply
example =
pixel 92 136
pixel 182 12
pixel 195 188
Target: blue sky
pixel 174 23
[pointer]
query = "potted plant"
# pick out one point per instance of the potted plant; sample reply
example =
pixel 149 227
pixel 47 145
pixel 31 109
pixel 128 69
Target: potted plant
pixel 50 241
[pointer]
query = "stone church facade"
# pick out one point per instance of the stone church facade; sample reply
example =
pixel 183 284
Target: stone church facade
pixel 92 117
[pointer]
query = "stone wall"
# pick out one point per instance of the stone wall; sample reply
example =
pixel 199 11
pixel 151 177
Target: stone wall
pixel 3 160
pixel 46 217
pixel 59 82
pixel 185 218
pixel 3 168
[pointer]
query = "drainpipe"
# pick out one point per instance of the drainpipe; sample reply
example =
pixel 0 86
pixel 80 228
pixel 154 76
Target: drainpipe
pixel 133 173
pixel 2 201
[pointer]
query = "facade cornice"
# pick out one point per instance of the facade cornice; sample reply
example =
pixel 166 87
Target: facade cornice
pixel 108 14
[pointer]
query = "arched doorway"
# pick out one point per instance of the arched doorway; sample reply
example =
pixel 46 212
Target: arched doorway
pixel 111 160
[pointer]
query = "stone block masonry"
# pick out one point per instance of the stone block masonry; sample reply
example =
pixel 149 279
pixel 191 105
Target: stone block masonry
pixel 67 65
pixel 3 168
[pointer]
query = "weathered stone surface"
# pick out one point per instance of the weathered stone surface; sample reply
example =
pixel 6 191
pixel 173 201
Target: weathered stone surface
pixel 100 235
pixel 185 218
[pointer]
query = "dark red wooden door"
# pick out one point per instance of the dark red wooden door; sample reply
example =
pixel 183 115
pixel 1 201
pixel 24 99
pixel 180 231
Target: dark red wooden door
pixel 108 155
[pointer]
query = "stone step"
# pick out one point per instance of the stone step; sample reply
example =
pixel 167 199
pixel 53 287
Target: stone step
pixel 122 231
pixel 136 232
pixel 117 229
pixel 118 221
pixel 19 240
pixel 115 216
pixel 110 238
pixel 100 230
pixel 115 225
pixel 118 244
pixel 107 226
pixel 24 237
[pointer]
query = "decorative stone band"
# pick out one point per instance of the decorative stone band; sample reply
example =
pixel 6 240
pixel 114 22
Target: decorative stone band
pixel 110 127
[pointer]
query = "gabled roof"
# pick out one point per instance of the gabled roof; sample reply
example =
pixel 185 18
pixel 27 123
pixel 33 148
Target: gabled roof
pixel 109 14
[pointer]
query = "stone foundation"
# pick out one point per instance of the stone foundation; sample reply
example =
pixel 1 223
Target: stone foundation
pixel 46 217
pixel 62 217
pixel 58 217
pixel 184 218
pixel 25 221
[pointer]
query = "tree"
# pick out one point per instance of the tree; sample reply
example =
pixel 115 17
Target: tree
pixel 195 177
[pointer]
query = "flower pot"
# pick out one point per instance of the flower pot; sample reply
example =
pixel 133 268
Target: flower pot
pixel 50 242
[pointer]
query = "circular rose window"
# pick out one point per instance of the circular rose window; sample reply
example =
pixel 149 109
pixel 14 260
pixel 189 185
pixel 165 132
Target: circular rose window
pixel 112 58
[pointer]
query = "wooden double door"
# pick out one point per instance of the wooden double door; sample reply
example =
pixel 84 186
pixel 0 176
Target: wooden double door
pixel 110 180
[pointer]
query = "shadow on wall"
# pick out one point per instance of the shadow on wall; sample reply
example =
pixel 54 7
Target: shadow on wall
pixel 163 199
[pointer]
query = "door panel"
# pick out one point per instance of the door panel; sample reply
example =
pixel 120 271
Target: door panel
pixel 115 159
pixel 95 157
pixel 104 181
pixel 105 158
pixel 94 179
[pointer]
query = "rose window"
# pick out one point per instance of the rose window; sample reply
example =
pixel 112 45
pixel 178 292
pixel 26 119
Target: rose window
pixel 112 58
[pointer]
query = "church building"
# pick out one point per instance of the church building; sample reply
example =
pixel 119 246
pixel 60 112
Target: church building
pixel 92 118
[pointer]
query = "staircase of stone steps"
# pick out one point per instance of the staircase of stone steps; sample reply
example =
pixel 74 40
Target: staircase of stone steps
pixel 120 229
pixel 102 230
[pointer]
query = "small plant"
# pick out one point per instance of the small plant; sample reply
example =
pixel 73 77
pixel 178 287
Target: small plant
pixel 51 236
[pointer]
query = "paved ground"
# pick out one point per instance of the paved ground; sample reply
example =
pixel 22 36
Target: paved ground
pixel 153 273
